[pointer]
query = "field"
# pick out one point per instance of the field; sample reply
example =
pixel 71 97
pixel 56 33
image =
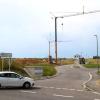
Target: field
pixel 92 63
pixel 66 61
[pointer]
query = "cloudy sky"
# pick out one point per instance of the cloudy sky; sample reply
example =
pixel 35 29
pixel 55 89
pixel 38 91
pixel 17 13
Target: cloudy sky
pixel 26 26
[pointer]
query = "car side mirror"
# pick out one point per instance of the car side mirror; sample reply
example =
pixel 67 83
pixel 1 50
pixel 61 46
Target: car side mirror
pixel 21 77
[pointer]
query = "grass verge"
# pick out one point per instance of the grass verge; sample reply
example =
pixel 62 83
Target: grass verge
pixel 91 65
pixel 48 69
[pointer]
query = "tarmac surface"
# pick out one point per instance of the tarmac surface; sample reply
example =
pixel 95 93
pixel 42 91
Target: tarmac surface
pixel 94 83
pixel 70 83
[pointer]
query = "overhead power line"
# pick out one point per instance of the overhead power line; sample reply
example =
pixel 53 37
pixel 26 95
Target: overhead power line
pixel 63 16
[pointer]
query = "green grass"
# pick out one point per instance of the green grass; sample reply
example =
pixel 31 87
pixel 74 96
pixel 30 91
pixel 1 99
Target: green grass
pixel 48 71
pixel 91 65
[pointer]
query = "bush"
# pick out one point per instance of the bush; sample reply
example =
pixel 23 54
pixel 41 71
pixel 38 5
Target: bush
pixel 48 71
pixel 16 67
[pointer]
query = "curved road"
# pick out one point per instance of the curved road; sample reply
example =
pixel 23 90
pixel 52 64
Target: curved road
pixel 67 85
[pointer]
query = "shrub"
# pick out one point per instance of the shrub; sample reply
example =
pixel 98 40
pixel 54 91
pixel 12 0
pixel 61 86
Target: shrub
pixel 48 71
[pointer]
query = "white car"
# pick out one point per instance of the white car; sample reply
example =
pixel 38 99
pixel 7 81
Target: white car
pixel 12 79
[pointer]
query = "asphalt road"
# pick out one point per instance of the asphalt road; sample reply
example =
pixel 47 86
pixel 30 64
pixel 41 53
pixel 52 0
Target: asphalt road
pixel 67 85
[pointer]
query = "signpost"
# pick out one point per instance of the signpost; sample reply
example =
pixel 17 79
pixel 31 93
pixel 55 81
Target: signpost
pixel 38 71
pixel 6 55
pixel 34 71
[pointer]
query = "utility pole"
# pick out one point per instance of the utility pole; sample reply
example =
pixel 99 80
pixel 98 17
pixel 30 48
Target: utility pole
pixel 49 48
pixel 71 15
pixel 2 63
pixel 49 59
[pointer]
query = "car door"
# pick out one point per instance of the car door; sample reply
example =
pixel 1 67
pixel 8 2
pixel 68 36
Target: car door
pixel 3 79
pixel 14 80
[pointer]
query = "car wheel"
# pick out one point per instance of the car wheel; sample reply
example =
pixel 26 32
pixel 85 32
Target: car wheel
pixel 26 85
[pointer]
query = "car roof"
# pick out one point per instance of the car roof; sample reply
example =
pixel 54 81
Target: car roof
pixel 1 72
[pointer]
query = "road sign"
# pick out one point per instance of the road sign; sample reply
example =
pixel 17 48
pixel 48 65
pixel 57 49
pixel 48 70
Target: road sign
pixel 38 70
pixel 8 56
pixel 5 55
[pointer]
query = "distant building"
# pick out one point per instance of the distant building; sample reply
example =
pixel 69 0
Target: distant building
pixel 77 56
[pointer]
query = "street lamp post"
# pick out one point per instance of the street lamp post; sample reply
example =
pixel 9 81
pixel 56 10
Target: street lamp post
pixel 56 39
pixel 75 14
pixel 97 51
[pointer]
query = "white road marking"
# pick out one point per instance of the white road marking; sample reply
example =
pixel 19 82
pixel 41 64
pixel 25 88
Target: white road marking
pixel 96 99
pixel 72 89
pixel 45 87
pixel 65 89
pixel 51 87
pixel 28 92
pixel 64 96
pixel 96 93
pixel 84 84
pixel 80 90
pixel 60 88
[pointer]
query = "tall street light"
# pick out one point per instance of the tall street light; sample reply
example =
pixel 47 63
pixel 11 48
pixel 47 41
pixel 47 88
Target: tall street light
pixel 56 40
pixel 71 15
pixel 97 51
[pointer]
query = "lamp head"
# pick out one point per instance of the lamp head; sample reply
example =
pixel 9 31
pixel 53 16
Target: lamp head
pixel 95 35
